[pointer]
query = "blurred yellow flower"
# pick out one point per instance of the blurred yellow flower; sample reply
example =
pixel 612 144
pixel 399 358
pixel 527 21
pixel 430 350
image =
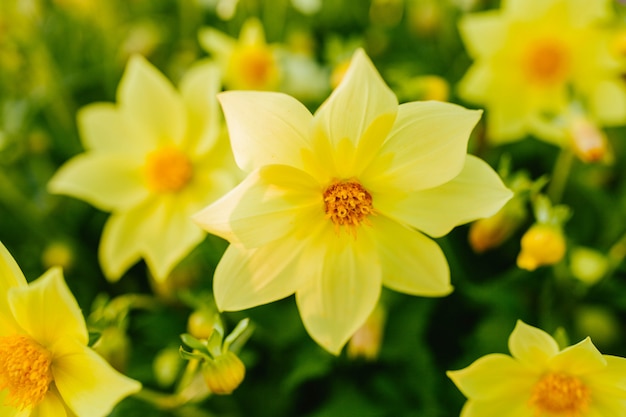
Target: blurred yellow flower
pixel 46 368
pixel 248 63
pixel 537 61
pixel 542 380
pixel 153 160
pixel 542 244
pixel 331 204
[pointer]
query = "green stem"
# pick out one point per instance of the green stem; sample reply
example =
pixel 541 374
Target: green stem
pixel 560 174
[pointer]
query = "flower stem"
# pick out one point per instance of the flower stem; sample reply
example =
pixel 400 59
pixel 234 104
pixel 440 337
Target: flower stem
pixel 560 174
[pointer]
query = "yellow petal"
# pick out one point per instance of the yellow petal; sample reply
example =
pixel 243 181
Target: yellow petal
pixel 121 241
pixel 343 292
pixel 252 32
pixel 579 359
pixel 266 128
pixel 47 310
pixel 361 97
pixel 478 189
pixel 613 375
pixel 476 83
pixel 483 33
pixel 608 102
pixel 199 88
pixel 426 147
pixel 87 383
pixel 171 235
pixel 269 204
pixel 510 406
pixel 216 43
pixel 532 346
pixel 247 278
pixel 411 263
pixel 10 277
pixel 148 98
pixel 494 376
pixel 527 9
pixel 104 128
pixel 108 182
pixel 8 411
pixel 51 406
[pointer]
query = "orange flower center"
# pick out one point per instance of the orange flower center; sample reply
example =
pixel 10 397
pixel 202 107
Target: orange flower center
pixel 560 395
pixel 168 170
pixel 24 371
pixel 547 62
pixel 347 204
pixel 255 65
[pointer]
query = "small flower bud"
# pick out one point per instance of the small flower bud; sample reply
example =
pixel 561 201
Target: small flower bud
pixel 366 342
pixel 167 366
pixel 588 265
pixel 589 142
pixel 542 244
pixel 200 323
pixel 224 373
pixel 489 233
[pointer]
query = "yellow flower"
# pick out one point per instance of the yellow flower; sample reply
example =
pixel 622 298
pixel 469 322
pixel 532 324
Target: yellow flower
pixel 248 63
pixel 542 380
pixel 542 244
pixel 536 60
pixel 153 160
pixel 46 368
pixel 331 204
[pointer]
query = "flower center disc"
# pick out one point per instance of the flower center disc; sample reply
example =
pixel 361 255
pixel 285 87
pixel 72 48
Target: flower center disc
pixel 168 170
pixel 255 64
pixel 347 204
pixel 24 371
pixel 547 62
pixel 560 395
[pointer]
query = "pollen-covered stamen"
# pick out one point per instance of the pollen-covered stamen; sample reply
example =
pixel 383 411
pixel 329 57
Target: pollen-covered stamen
pixel 547 62
pixel 348 204
pixel 168 170
pixel 24 371
pixel 560 395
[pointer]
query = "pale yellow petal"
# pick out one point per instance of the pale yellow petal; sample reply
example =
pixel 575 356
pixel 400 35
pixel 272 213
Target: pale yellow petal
pixel 252 32
pixel 508 406
pixel 269 204
pixel 483 33
pixel 216 43
pixel 51 406
pixel 199 88
pixel 426 147
pixel 170 235
pixel 608 102
pixel 104 128
pixel 476 83
pixel 532 346
pixel 5 410
pixel 10 277
pixel 87 383
pixel 526 9
pixel 247 278
pixel 47 310
pixel 411 263
pixel 579 359
pixel 343 292
pixel 613 376
pixel 121 241
pixel 494 376
pixel 149 99
pixel 360 99
pixel 266 128
pixel 106 181
pixel 477 189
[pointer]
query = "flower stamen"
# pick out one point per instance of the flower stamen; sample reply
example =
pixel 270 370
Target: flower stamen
pixel 547 62
pixel 560 395
pixel 168 170
pixel 24 371
pixel 347 204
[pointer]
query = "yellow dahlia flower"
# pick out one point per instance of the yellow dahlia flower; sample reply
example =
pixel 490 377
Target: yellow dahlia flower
pixel 153 160
pixel 46 368
pixel 540 63
pixel 248 63
pixel 331 204
pixel 541 380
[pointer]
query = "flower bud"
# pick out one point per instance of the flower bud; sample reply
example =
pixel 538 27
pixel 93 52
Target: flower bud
pixel 489 233
pixel 167 366
pixel 589 142
pixel 588 265
pixel 542 244
pixel 224 373
pixel 200 323
pixel 366 342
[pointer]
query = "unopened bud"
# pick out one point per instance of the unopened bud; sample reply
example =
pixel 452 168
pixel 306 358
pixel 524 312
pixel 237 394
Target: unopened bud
pixel 588 265
pixel 200 323
pixel 224 373
pixel 589 142
pixel 542 244
pixel 167 366
pixel 367 340
pixel 489 233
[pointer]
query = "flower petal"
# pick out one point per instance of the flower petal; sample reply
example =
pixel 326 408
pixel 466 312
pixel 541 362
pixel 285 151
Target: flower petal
pixel 47 310
pixel 216 43
pixel 494 376
pixel 51 406
pixel 7 410
pixel 532 346
pixel 87 383
pixel 247 278
pixel 108 182
pixel 411 263
pixel 579 359
pixel 478 189
pixel 483 32
pixel 104 128
pixel 426 147
pixel 266 128
pixel 510 406
pixel 11 276
pixel 199 87
pixel 148 98
pixel 361 97
pixel 343 292
pixel 269 204
pixel 608 102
